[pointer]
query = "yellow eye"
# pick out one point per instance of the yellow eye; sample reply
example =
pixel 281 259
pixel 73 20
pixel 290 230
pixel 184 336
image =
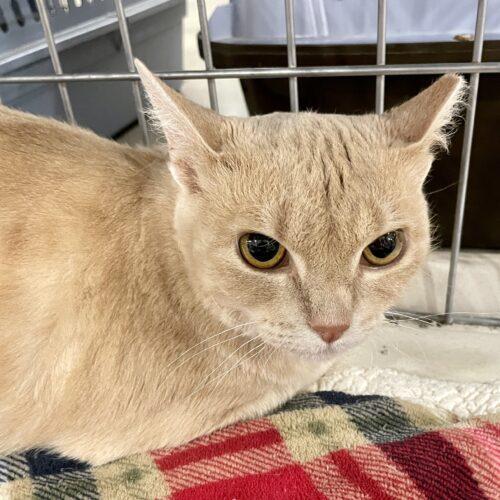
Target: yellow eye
pixel 385 249
pixel 261 251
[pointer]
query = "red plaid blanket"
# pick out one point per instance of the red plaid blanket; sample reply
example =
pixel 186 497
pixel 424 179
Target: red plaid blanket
pixel 323 445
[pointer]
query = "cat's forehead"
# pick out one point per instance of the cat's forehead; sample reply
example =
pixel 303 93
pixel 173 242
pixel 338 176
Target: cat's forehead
pixel 309 132
pixel 308 151
pixel 308 175
pixel 288 145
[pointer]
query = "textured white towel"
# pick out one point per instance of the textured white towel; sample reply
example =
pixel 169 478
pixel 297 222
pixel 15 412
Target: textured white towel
pixel 465 399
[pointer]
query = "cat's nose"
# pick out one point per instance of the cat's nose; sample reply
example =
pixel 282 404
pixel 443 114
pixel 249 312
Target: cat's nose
pixel 329 333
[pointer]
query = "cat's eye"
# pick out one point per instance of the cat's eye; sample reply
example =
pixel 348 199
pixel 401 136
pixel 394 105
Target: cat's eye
pixel 261 251
pixel 385 249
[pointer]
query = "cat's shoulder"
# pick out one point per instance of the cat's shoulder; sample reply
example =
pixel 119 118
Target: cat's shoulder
pixel 35 139
pixel 26 130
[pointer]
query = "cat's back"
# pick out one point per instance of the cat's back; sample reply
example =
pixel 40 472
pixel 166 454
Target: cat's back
pixel 58 182
pixel 39 151
pixel 72 207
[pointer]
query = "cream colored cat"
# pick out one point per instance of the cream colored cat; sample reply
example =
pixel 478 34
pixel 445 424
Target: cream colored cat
pixel 144 302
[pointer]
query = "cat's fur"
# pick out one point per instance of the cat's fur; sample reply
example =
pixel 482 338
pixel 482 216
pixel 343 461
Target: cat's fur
pixel 111 268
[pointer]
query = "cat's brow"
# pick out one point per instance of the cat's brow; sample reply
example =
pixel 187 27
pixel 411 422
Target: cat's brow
pixel 326 178
pixel 343 141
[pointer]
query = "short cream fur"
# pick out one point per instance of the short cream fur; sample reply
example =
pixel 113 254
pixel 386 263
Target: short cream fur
pixel 128 320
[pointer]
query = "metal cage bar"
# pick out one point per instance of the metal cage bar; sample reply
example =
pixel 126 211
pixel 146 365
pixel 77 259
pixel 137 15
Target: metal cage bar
pixel 54 57
pixel 291 51
pixel 207 53
pixel 465 160
pixel 309 71
pixel 381 50
pixel 127 48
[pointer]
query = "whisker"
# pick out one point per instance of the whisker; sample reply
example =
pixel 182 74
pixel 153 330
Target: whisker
pixel 269 356
pixel 184 361
pixel 209 347
pixel 408 316
pixel 393 345
pixel 419 330
pixel 245 357
pixel 417 343
pixel 260 348
pixel 442 189
pixel 206 382
pixel 224 361
pixel 276 348
pixel 475 313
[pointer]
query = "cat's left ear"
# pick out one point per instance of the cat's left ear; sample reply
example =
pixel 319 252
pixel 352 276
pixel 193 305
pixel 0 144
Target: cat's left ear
pixel 193 133
pixel 424 120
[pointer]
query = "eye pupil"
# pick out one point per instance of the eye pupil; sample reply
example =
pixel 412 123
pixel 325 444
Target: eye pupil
pixel 261 247
pixel 261 251
pixel 383 247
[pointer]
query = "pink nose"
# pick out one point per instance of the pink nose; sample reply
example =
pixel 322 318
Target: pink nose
pixel 329 333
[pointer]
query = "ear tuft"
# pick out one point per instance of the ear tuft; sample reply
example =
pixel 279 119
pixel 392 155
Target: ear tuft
pixel 429 118
pixel 191 131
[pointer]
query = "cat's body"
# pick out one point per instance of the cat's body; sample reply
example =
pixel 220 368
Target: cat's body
pixel 113 292
pixel 95 306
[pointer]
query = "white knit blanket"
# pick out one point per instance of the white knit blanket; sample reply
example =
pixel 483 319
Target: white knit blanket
pixel 465 399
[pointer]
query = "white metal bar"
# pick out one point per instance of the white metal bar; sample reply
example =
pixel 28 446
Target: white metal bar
pixel 207 53
pixel 381 51
pixel 310 72
pixel 54 56
pixel 129 56
pixel 465 160
pixel 291 50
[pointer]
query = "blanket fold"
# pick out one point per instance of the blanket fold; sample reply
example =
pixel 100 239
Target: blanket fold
pixel 316 446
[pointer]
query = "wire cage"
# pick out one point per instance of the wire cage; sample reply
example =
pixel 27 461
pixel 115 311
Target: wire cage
pixel 379 70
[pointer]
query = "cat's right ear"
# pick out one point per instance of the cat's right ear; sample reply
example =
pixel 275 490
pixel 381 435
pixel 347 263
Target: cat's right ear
pixel 192 132
pixel 424 120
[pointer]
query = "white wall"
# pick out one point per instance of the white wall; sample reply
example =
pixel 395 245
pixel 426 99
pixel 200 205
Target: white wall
pixel 231 100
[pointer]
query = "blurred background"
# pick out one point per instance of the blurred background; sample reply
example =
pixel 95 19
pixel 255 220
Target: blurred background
pixel 231 100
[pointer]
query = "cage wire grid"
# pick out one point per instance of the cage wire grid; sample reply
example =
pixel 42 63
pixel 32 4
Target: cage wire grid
pixel 475 68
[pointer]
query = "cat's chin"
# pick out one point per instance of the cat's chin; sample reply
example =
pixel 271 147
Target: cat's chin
pixel 323 353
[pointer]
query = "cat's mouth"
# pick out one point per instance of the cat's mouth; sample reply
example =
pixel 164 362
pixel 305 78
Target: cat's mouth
pixel 325 350
pixel 306 343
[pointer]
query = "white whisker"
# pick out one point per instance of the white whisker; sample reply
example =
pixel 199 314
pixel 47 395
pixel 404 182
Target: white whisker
pixel 419 330
pixel 273 351
pixel 209 347
pixel 223 362
pixel 408 316
pixel 394 346
pixel 269 356
pixel 207 381
pixel 455 313
pixel 245 357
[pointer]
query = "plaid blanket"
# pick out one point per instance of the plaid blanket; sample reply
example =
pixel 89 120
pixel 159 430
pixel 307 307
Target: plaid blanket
pixel 317 446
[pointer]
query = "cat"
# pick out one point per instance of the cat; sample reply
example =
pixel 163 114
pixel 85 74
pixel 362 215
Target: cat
pixel 151 295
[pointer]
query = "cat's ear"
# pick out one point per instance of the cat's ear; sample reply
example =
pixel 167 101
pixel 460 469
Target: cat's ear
pixel 426 118
pixel 192 132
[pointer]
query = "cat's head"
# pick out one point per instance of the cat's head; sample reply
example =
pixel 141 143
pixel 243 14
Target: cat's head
pixel 309 225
